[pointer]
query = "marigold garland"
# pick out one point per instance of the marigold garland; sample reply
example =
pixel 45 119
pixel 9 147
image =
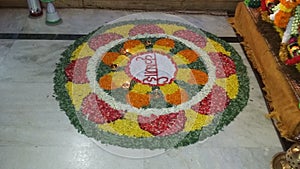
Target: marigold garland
pixel 282 16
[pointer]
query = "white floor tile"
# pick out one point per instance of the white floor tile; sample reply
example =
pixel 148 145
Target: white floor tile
pixel 35 134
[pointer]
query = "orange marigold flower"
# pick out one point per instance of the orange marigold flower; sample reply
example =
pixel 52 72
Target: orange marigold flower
pixel 189 54
pixel 110 57
pixel 138 100
pixel 198 77
pixel 180 96
pixel 282 19
pixel 131 44
pixel 165 42
pixel 285 12
pixel 289 4
pixel 106 82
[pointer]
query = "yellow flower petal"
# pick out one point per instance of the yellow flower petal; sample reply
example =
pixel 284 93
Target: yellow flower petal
pixel 119 78
pixel 161 48
pixel 137 49
pixel 128 126
pixel 298 67
pixel 213 46
pixel 141 88
pixel 180 60
pixel 170 29
pixel 178 97
pixel 122 60
pixel 121 30
pixel 169 88
pixel 82 51
pixel 185 56
pixel 195 120
pixel 230 84
pixel 183 74
pixel 77 93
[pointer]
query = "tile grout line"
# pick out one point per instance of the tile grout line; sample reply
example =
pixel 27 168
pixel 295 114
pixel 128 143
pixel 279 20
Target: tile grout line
pixel 25 36
pixel 28 36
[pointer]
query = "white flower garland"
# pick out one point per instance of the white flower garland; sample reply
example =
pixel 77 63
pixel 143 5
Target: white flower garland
pixel 97 57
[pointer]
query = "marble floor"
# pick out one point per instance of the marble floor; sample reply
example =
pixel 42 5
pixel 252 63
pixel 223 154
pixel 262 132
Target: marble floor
pixel 35 134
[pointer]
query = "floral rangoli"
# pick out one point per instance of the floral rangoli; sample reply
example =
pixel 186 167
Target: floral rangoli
pixel 151 84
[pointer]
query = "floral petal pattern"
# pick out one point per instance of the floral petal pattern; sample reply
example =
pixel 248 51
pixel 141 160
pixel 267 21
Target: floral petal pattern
pixel 98 111
pixel 111 58
pixel 138 100
pixel 163 125
pixel 134 46
pixel 145 29
pixel 113 80
pixel 159 82
pixel 76 71
pixel 103 39
pixel 196 120
pixel 164 45
pixel 230 84
pixel 82 51
pixel 192 76
pixel 122 30
pixel 127 126
pixel 178 97
pixel 215 102
pixel 77 93
pixel 224 65
pixel 187 56
pixel 197 39
pixel 198 77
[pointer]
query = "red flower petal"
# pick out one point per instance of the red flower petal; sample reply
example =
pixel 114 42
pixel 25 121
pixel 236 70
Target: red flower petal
pixel 224 65
pixel 99 111
pixel 191 36
pixel 147 28
pixel 215 102
pixel 163 125
pixel 103 39
pixel 76 71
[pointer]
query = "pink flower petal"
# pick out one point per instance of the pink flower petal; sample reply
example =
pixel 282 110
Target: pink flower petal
pixel 76 71
pixel 99 111
pixel 163 125
pixel 191 36
pixel 103 39
pixel 225 66
pixel 147 28
pixel 215 102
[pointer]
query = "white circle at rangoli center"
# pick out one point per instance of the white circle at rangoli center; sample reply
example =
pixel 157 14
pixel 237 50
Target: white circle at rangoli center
pixel 152 68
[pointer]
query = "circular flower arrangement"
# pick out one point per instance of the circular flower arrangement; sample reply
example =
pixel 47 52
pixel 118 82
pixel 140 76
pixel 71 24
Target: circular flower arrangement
pixel 150 84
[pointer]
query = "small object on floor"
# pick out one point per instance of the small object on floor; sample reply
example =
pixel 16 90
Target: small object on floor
pixel 279 161
pixel 293 156
pixel 288 160
pixel 52 17
pixel 35 9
